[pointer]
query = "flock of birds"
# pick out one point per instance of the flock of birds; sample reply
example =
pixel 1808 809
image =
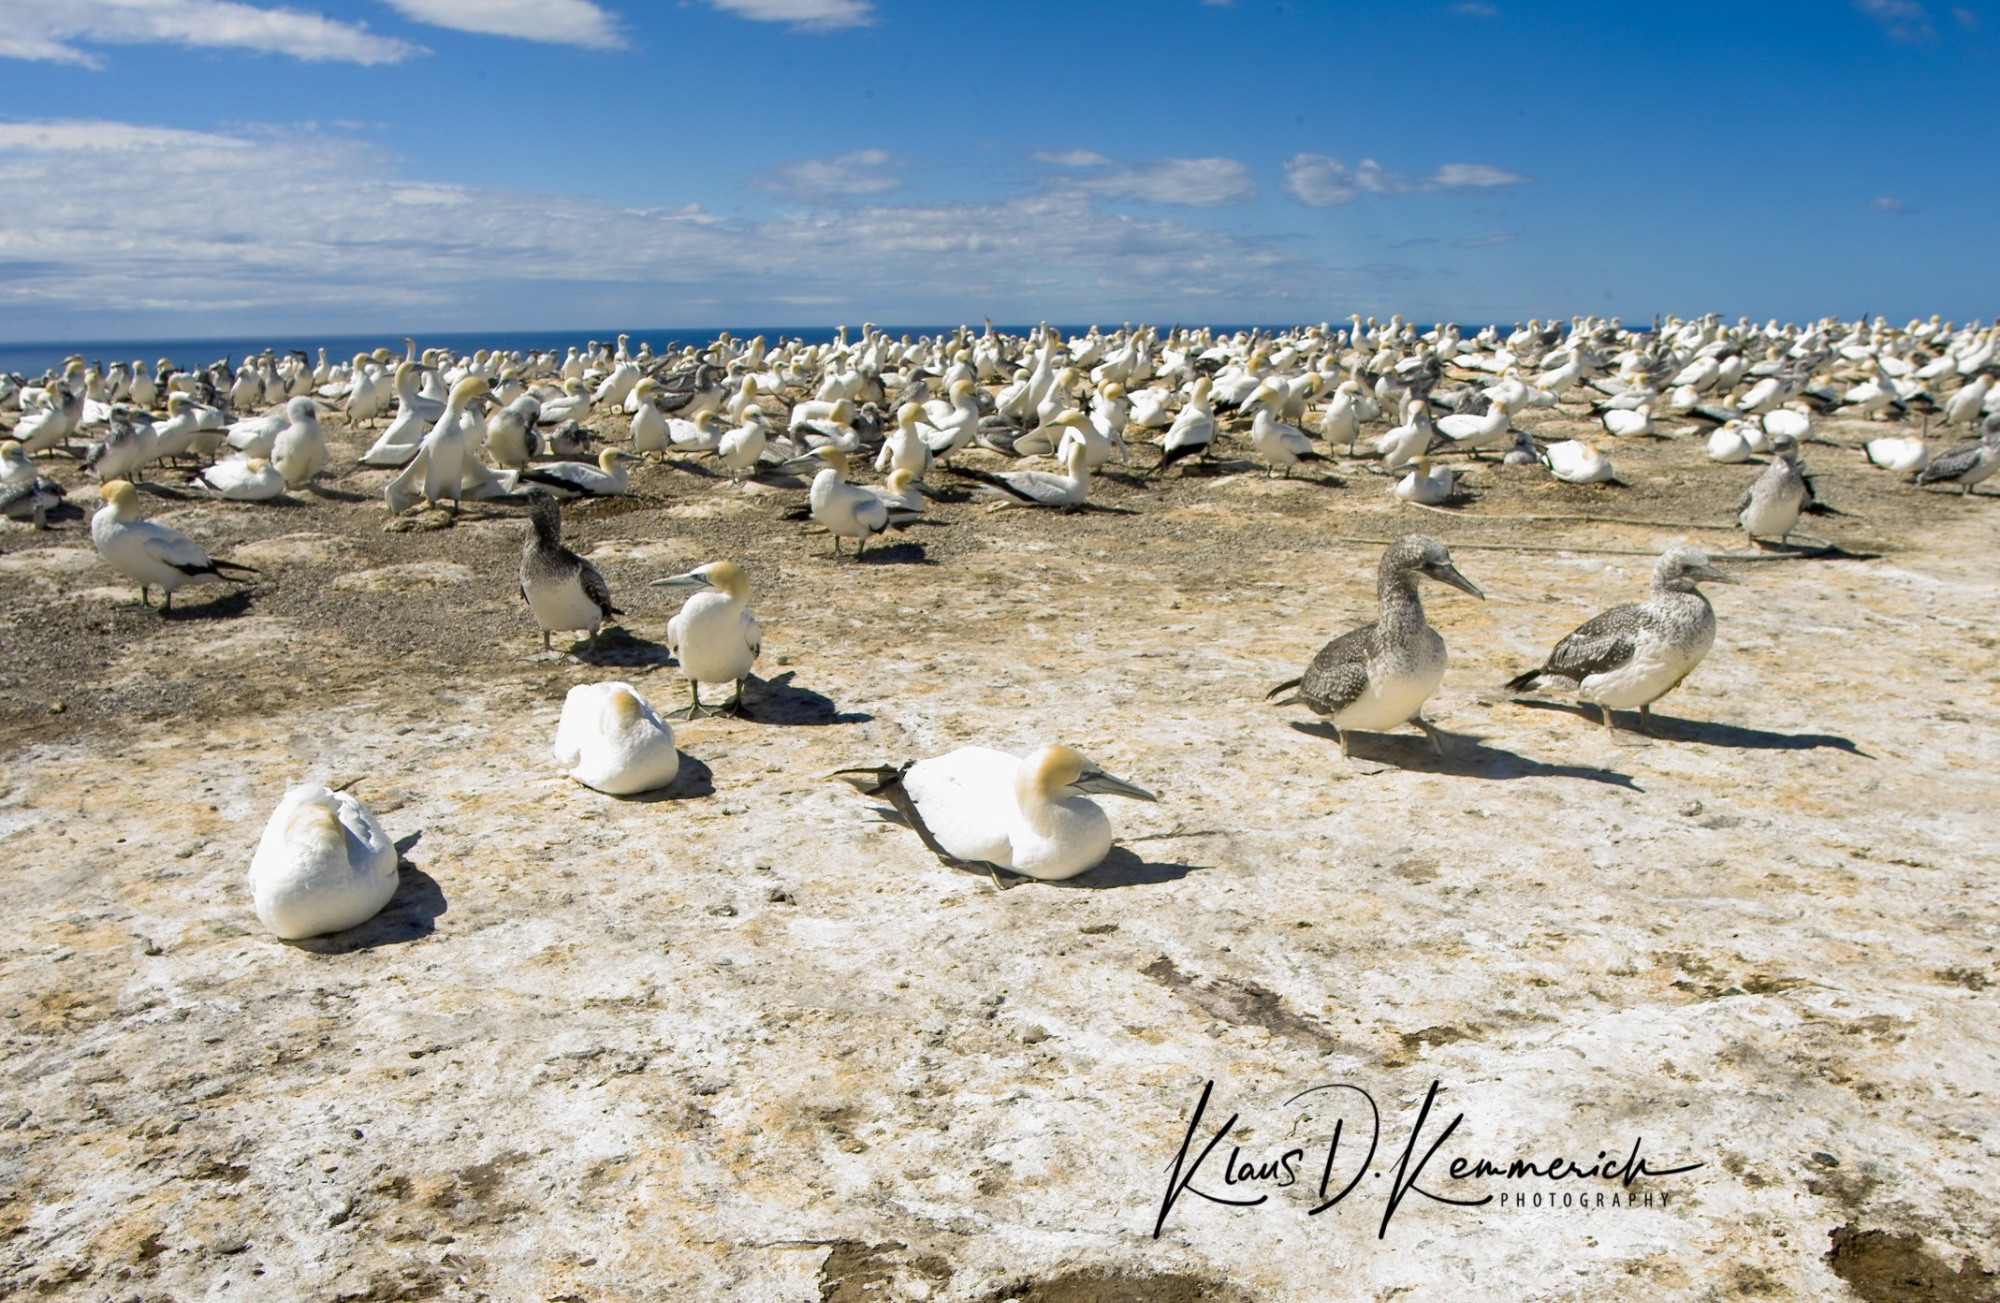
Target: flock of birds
pixel 525 428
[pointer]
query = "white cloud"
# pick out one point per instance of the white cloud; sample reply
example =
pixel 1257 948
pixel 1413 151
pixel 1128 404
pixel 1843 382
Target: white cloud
pixel 176 235
pixel 54 30
pixel 808 15
pixel 859 173
pixel 1902 20
pixel 1323 182
pixel 1889 204
pixel 560 22
pixel 1190 182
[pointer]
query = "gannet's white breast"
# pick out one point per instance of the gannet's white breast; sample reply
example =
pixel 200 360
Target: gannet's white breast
pixel 715 638
pixel 1400 681
pixel 1658 664
pixel 324 864
pixel 609 739
pixel 967 800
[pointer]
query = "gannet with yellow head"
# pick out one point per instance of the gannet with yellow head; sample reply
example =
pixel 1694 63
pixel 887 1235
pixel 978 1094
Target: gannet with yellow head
pixel 324 864
pixel 610 740
pixel 152 554
pixel 715 637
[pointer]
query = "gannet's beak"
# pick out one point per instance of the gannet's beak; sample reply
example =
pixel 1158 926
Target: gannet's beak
pixel 688 580
pixel 1709 574
pixel 1448 574
pixel 1103 784
pixel 800 465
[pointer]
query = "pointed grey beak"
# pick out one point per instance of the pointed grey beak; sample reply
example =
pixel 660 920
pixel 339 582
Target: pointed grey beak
pixel 688 580
pixel 1709 574
pixel 1448 574
pixel 800 465
pixel 1098 782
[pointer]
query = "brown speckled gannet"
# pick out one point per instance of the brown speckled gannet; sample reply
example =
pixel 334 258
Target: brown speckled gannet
pixel 564 592
pixel 1633 655
pixel 1379 676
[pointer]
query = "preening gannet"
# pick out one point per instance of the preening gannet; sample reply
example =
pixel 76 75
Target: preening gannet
pixel 1379 676
pixel 1632 655
pixel 610 740
pixel 324 864
pixel 715 638
pixel 152 554
pixel 564 592
pixel 607 479
pixel 1030 815
pixel 439 466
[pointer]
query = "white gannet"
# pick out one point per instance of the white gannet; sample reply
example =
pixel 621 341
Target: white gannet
pixel 740 449
pixel 714 637
pixel 1475 432
pixel 243 479
pixel 1068 491
pixel 607 479
pixel 610 740
pixel 649 427
pixel 174 437
pixel 152 554
pixel 563 591
pixel 1403 444
pixel 845 510
pixel 437 471
pixel 1575 461
pixel 1027 814
pixel 299 451
pixel 127 447
pixel 1280 445
pixel 1192 431
pixel 323 865
pixel 1632 655
pixel 45 428
pixel 1628 424
pixel 407 429
pixel 1897 452
pixel 1424 485
pixel 1379 676
pixel 905 448
pixel 1728 444
pixel 954 424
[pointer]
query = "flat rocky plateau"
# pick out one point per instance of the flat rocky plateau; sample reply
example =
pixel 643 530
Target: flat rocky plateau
pixel 748 1040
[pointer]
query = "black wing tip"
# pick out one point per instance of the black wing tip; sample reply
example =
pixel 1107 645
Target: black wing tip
pixel 872 781
pixel 1286 686
pixel 1523 682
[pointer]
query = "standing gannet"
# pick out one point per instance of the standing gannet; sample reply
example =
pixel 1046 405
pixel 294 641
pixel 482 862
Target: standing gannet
pixel 1379 676
pixel 740 449
pixel 406 431
pixel 610 740
pixel 1635 654
pixel 845 510
pixel 649 427
pixel 715 638
pixel 1279 445
pixel 511 440
pixel 438 470
pixel 1475 432
pixel 299 451
pixel 1192 431
pixel 905 448
pixel 564 592
pixel 1029 815
pixel 1966 466
pixel 324 864
pixel 149 553
pixel 1773 501
pixel 174 437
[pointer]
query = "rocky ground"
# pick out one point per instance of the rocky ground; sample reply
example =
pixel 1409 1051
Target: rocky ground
pixel 748 1040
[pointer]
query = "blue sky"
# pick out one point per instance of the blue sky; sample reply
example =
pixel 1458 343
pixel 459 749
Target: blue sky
pixel 188 167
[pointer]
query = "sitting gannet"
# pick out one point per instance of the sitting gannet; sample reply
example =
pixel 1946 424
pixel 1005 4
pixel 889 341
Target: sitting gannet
pixel 1379 676
pixel 564 592
pixel 715 638
pixel 1897 453
pixel 1771 505
pixel 1635 654
pixel 243 479
pixel 1574 461
pixel 1029 815
pixel 610 740
pixel 1423 485
pixel 149 553
pixel 607 479
pixel 1065 492
pixel 324 865
pixel 299 451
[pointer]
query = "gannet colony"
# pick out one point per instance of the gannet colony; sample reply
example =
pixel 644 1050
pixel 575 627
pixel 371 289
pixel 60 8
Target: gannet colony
pixel 415 615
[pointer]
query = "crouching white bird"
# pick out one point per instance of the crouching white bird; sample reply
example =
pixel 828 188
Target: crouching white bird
pixel 324 865
pixel 1906 453
pixel 152 554
pixel 1423 485
pixel 610 740
pixel 243 479
pixel 715 638
pixel 1030 814
pixel 1575 462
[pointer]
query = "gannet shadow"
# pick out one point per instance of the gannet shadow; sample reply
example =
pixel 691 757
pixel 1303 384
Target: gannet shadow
pixel 332 494
pixel 617 645
pixel 896 554
pixel 1666 728
pixel 410 915
pixel 692 781
pixel 779 701
pixel 223 606
pixel 1465 756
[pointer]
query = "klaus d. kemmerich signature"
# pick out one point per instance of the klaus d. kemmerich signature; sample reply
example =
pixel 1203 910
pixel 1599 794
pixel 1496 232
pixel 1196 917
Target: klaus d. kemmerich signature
pixel 1231 1180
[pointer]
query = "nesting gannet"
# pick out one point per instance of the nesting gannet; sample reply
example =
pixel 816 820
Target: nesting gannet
pixel 1728 444
pixel 1573 461
pixel 564 592
pixel 324 864
pixel 846 510
pixel 1773 501
pixel 1632 655
pixel 1424 485
pixel 1966 466
pixel 715 638
pixel 24 494
pixel 1379 676
pixel 152 554
pixel 1631 423
pixel 649 425
pixel 1029 815
pixel 243 479
pixel 610 740
pixel 1068 491
pixel 1897 453
pixel 299 451
pixel 174 437
pixel 607 479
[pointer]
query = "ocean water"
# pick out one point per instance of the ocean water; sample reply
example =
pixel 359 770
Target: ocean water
pixel 32 360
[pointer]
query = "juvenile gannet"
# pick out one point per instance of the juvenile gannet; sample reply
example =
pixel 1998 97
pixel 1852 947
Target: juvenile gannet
pixel 610 740
pixel 607 479
pixel 1773 501
pixel 1379 676
pixel 511 440
pixel 152 554
pixel 846 510
pixel 1966 466
pixel 243 479
pixel 323 865
pixel 128 445
pixel 1029 815
pixel 564 592
pixel 1632 655
pixel 715 638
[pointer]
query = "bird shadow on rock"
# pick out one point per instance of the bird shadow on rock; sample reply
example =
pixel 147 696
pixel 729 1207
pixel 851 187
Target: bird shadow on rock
pixel 897 554
pixel 410 915
pixel 780 701
pixel 1820 551
pixel 158 490
pixel 618 646
pixel 692 781
pixel 1666 728
pixel 223 606
pixel 1120 868
pixel 1465 756
pixel 330 494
